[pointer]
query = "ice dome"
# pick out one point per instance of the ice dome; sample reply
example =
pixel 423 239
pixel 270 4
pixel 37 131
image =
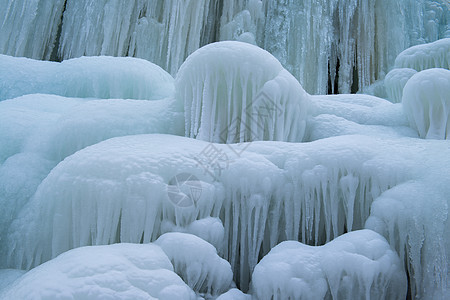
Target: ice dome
pixel 237 92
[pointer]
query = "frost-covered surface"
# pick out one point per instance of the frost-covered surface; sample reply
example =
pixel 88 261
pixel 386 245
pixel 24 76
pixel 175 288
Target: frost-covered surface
pixel 395 81
pixel 234 294
pixel 197 262
pixel 356 265
pixel 246 95
pixel 121 271
pixel 426 56
pixel 85 77
pixel 426 102
pixel 38 131
pixel 8 276
pixel 117 190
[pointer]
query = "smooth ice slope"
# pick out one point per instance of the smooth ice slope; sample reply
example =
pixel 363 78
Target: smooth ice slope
pixel 121 271
pixel 426 102
pixel 246 95
pixel 426 56
pixel 356 265
pixel 118 190
pixel 197 262
pixel 94 77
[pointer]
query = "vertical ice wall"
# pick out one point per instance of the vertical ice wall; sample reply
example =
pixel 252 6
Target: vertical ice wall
pixel 329 45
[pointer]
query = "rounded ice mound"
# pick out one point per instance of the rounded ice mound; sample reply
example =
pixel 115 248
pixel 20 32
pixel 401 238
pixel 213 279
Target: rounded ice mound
pixel 395 81
pixel 237 92
pixel 120 271
pixel 426 56
pixel 426 102
pixel 356 265
pixel 85 77
pixel 197 262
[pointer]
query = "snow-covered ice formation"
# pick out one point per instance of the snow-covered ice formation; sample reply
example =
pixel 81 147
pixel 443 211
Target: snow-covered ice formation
pixel 395 81
pixel 85 77
pixel 244 96
pixel 198 263
pixel 121 271
pixel 426 56
pixel 426 102
pixel 356 265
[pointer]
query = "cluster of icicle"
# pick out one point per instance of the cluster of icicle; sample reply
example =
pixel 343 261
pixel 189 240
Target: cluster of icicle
pixel 353 40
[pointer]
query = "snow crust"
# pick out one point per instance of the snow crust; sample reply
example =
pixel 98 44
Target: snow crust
pixel 245 95
pixel 198 263
pixel 85 77
pixel 121 271
pixel 356 265
pixel 426 56
pixel 426 102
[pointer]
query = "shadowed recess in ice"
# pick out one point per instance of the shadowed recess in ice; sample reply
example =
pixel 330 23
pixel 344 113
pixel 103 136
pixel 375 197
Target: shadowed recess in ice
pixel 85 77
pixel 426 102
pixel 117 190
pixel 356 265
pixel 121 271
pixel 246 95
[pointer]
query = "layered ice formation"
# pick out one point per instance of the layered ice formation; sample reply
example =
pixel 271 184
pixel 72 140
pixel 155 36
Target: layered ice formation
pixel 244 96
pixel 85 77
pixel 356 265
pixel 426 102
pixel 426 56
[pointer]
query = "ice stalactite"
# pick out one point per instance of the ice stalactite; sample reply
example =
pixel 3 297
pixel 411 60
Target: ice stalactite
pixel 118 191
pixel 29 27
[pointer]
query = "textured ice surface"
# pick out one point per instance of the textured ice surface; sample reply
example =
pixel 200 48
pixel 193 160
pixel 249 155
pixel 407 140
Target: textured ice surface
pixel 245 95
pixel 197 262
pixel 8 276
pixel 395 81
pixel 118 190
pixel 356 265
pixel 426 102
pixel 426 56
pixel 234 294
pixel 94 77
pixel 121 271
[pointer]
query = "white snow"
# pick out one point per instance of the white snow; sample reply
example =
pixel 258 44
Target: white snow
pixel 121 271
pixel 245 95
pixel 426 56
pixel 426 102
pixel 395 81
pixel 197 263
pixel 85 77
pixel 356 265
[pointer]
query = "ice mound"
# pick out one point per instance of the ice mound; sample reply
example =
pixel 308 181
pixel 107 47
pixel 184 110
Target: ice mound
pixel 234 294
pixel 120 271
pixel 426 56
pixel 237 92
pixel 426 102
pixel 356 265
pixel 197 262
pixel 395 81
pixel 95 77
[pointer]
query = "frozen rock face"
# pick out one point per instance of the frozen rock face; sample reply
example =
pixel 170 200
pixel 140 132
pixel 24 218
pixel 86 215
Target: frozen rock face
pixel 121 271
pixel 356 265
pixel 426 102
pixel 395 81
pixel 85 77
pixel 426 56
pixel 197 262
pixel 235 92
